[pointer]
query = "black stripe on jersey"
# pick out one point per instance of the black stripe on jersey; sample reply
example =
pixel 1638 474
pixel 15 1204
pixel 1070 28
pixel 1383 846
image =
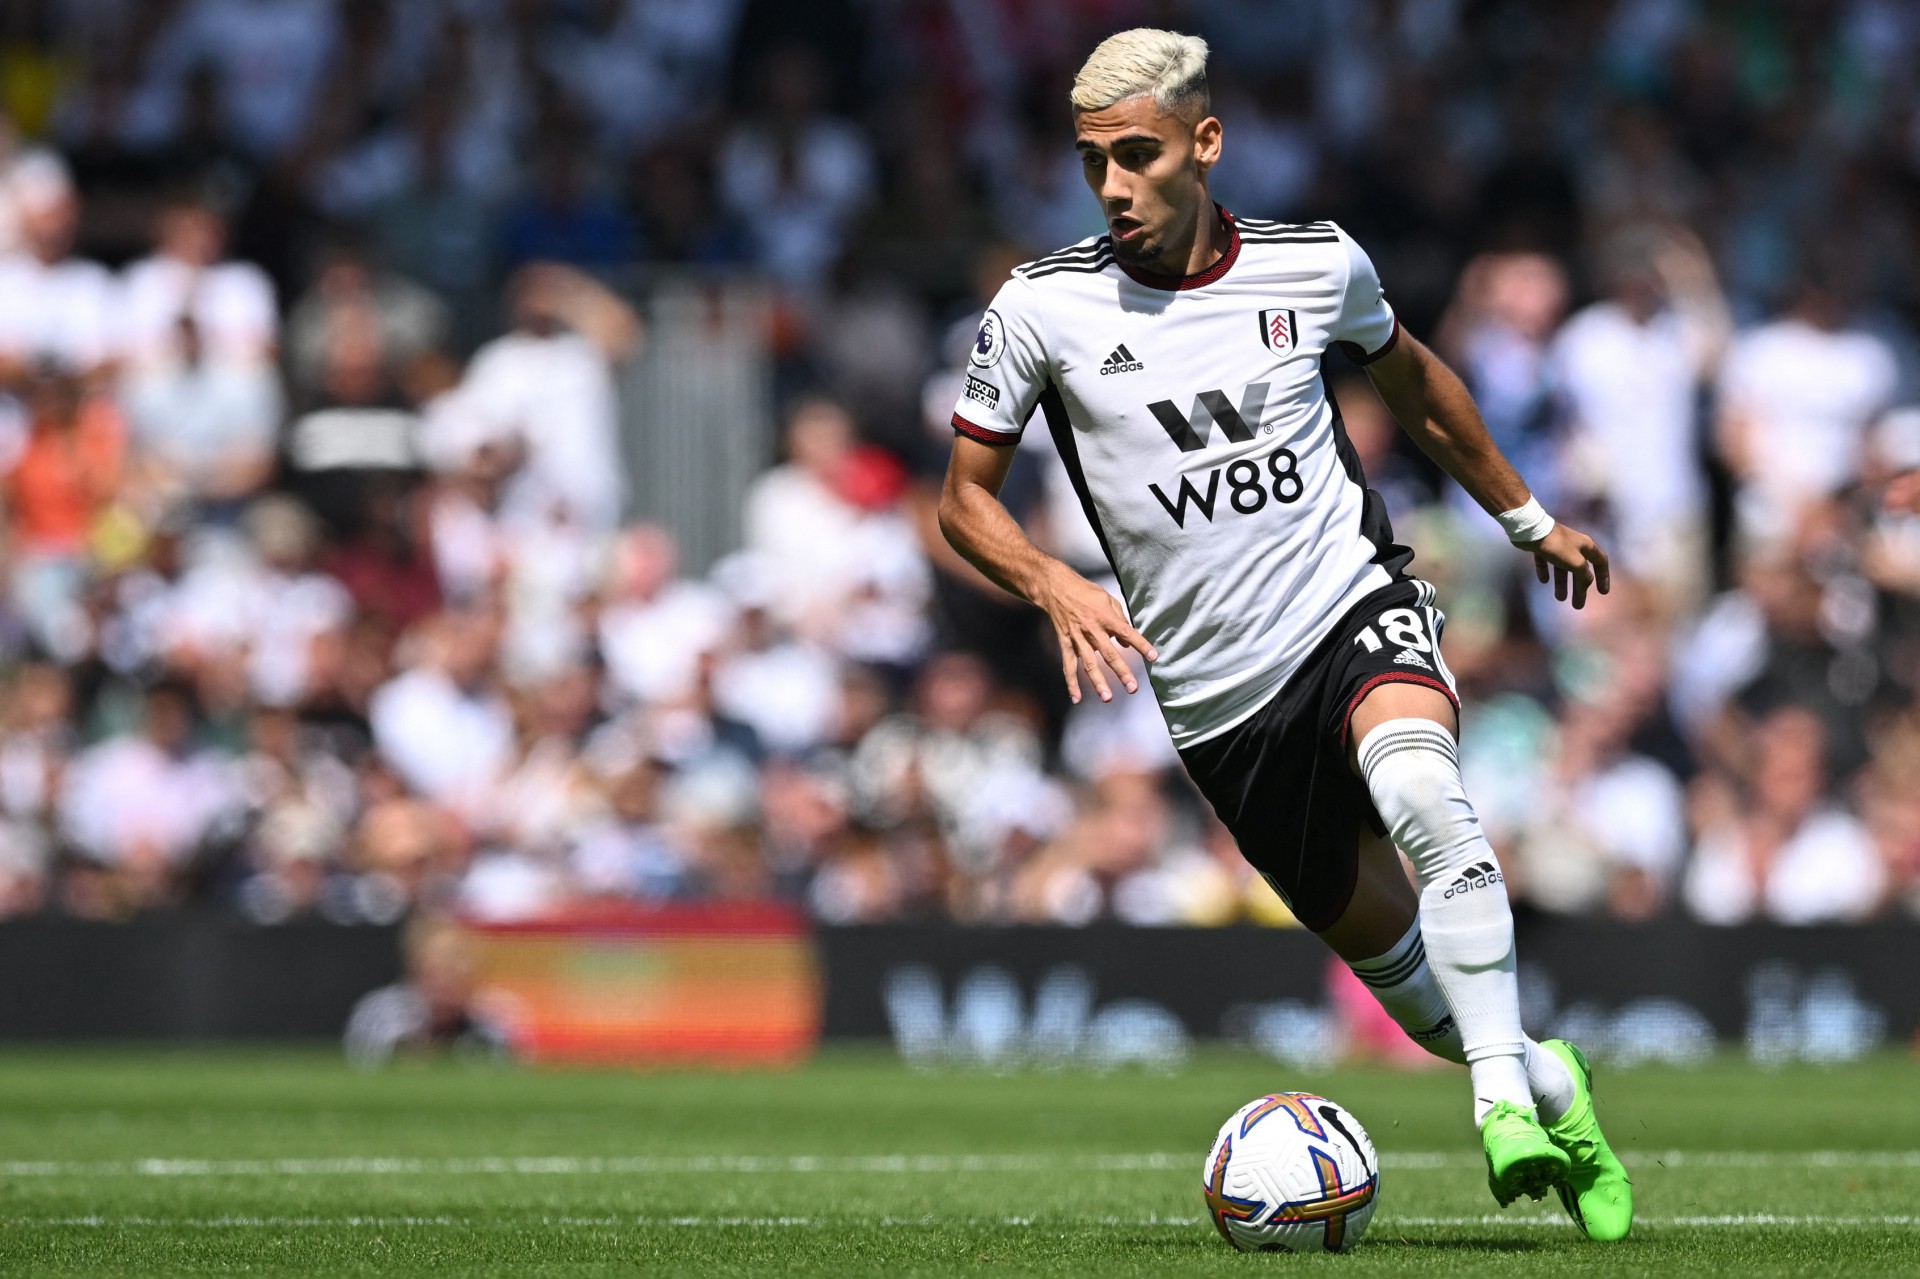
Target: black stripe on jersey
pixel 1262 226
pixel 1055 409
pixel 1289 239
pixel 1078 253
pixel 1375 525
pixel 1094 265
pixel 1075 250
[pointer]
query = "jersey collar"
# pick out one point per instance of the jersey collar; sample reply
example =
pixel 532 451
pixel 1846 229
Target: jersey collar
pixel 1199 279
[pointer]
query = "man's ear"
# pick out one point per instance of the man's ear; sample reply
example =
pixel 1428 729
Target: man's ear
pixel 1206 143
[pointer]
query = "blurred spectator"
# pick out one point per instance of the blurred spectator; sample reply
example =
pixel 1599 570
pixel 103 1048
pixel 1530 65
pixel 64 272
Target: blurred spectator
pixel 1499 332
pixel 229 304
pixel 547 387
pixel 655 627
pixel 268 57
pixel 262 612
pixel 396 317
pixel 1797 398
pixel 779 685
pixel 794 176
pixel 54 306
pixel 826 526
pixel 139 807
pixel 36 740
pixel 567 217
pixel 971 769
pixel 638 68
pixel 356 439
pixel 440 723
pixel 626 853
pixel 430 187
pixel 1772 845
pixel 207 428
pixel 1630 369
pixel 66 477
pixel 1607 827
pixel 433 1009
pixel 300 799
pixel 1102 863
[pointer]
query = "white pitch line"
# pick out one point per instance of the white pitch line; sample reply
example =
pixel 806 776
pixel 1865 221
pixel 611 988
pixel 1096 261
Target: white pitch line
pixel 1727 1220
pixel 885 1164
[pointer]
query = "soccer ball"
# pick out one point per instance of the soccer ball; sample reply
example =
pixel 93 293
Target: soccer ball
pixel 1291 1172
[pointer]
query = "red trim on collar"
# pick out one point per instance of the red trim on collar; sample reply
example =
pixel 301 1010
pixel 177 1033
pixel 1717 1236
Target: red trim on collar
pixel 1199 279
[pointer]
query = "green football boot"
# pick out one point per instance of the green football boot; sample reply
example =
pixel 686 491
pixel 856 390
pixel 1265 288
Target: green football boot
pixel 1597 1193
pixel 1521 1159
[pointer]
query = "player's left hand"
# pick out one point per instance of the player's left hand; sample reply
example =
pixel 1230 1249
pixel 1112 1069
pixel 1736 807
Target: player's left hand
pixel 1566 555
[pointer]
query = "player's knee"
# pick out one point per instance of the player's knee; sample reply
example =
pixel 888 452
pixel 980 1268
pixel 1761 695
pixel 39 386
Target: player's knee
pixel 1414 790
pixel 1413 776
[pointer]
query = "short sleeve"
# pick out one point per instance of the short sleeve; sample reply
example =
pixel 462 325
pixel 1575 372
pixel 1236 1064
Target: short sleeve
pixel 1365 328
pixel 1006 369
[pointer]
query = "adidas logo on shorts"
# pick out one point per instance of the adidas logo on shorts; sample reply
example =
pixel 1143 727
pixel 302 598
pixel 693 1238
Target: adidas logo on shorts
pixel 1407 657
pixel 1478 875
pixel 1121 361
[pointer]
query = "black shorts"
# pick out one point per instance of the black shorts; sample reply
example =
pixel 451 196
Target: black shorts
pixel 1280 779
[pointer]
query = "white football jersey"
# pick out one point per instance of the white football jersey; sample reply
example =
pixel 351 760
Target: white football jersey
pixel 1192 416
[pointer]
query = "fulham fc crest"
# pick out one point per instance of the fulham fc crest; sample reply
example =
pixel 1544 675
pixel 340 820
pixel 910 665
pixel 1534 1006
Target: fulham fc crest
pixel 1277 330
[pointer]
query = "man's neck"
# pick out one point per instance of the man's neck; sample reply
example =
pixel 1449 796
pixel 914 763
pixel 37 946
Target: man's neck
pixel 1208 246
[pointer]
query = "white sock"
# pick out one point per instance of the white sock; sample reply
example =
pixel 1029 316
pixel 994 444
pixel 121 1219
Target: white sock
pixel 1402 981
pixel 1551 1083
pixel 1412 770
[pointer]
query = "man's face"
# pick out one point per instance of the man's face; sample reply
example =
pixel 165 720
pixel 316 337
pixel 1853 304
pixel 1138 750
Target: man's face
pixel 1148 169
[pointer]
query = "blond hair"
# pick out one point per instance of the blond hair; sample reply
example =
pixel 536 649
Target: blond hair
pixel 1169 66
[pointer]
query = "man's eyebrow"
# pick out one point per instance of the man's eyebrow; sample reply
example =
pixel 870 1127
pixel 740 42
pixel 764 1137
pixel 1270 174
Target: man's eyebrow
pixel 1081 144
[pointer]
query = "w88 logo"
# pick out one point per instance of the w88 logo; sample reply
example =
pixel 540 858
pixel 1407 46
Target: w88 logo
pixel 1250 484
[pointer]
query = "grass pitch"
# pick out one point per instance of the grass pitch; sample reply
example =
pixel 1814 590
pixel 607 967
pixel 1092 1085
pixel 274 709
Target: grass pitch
pixel 145 1163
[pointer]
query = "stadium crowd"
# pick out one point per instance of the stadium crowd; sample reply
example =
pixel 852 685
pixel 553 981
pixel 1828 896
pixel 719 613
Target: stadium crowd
pixel 324 595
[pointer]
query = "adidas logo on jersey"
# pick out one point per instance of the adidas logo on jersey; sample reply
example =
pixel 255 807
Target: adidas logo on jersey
pixel 1407 657
pixel 1121 361
pixel 1478 875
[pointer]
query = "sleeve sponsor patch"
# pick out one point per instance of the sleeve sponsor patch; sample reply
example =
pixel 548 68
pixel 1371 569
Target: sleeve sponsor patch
pixel 985 392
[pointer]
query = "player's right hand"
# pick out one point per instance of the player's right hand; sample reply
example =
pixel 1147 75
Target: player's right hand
pixel 1571 559
pixel 1087 621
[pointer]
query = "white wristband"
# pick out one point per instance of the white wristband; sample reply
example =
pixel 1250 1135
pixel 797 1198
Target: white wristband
pixel 1526 524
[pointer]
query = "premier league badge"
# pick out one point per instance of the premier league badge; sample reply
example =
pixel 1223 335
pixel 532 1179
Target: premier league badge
pixel 1278 330
pixel 990 343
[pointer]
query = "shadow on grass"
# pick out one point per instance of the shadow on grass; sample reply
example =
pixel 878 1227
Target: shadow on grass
pixel 1171 1243
pixel 1189 1246
pixel 1380 1243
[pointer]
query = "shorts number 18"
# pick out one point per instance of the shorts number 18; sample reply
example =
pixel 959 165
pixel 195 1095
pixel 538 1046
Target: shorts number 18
pixel 1403 628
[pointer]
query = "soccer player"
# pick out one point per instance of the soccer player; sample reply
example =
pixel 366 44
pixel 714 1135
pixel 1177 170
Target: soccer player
pixel 1176 362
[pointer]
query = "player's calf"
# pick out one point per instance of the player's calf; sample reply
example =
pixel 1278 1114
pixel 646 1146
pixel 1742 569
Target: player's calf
pixel 1402 980
pixel 1412 772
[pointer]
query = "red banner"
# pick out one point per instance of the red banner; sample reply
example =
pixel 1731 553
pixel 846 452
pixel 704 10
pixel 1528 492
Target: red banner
pixel 719 984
